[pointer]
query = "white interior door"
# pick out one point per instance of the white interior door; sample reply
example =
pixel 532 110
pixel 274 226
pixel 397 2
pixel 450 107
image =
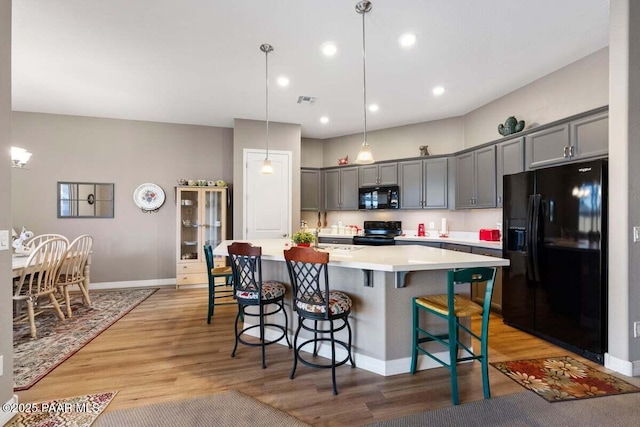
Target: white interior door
pixel 267 198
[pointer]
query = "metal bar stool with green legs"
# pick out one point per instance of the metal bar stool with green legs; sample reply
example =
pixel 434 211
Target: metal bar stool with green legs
pixel 252 291
pixel 316 303
pixel 219 293
pixel 463 307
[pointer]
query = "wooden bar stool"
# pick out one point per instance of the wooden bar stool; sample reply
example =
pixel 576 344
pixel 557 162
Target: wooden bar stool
pixel 251 290
pixel 219 293
pixel 314 301
pixel 463 307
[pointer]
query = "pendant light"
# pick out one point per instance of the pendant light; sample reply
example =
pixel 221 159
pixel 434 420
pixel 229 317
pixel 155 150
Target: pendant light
pixel 364 156
pixel 267 169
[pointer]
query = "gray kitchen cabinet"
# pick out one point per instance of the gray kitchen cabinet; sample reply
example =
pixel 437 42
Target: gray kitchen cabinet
pixel 378 174
pixel 456 247
pixel 478 289
pixel 310 190
pixel 336 240
pixel 578 139
pixel 476 179
pixel 423 184
pixel 341 188
pixel 509 160
pixel 413 242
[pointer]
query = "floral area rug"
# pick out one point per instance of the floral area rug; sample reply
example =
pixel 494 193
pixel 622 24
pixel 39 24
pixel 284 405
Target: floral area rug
pixel 563 378
pixel 57 340
pixel 80 411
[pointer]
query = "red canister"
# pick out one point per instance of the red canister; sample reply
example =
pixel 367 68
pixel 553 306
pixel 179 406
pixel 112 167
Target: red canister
pixel 421 230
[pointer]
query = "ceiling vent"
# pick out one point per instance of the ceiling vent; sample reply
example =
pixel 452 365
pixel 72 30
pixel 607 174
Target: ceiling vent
pixel 307 99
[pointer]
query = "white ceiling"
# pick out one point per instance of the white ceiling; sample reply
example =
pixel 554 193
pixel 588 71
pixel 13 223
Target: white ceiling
pixel 198 61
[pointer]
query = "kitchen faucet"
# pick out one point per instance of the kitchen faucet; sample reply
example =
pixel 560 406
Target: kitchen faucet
pixel 316 238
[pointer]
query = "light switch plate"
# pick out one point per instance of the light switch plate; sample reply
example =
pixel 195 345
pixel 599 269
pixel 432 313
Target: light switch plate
pixel 636 234
pixel 4 240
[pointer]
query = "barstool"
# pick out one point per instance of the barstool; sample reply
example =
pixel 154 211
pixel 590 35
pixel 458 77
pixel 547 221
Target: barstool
pixel 314 301
pixel 223 295
pixel 246 263
pixel 463 307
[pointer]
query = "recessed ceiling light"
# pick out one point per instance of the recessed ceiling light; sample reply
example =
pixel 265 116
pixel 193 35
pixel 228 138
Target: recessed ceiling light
pixel 374 107
pixel 329 49
pixel 407 40
pixel 324 120
pixel 438 90
pixel 283 81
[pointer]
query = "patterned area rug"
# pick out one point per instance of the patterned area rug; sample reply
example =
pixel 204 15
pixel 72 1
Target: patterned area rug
pixel 563 378
pixel 57 341
pixel 80 411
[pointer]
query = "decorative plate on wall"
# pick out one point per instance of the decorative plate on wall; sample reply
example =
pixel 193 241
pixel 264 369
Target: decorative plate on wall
pixel 149 197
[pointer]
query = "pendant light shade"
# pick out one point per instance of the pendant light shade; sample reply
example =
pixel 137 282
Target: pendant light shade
pixel 364 155
pixel 266 169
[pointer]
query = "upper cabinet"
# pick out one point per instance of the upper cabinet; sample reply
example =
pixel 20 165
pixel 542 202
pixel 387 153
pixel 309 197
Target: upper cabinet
pixel 509 160
pixel 310 190
pixel 379 174
pixel 578 139
pixel 423 184
pixel 476 179
pixel 341 188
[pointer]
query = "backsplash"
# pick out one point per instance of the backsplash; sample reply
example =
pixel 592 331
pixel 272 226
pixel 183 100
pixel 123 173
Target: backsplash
pixel 465 220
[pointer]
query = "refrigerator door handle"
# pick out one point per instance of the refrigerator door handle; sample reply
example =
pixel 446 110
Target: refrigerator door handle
pixel 529 236
pixel 535 238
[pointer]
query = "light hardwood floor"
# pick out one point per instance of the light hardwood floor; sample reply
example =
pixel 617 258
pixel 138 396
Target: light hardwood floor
pixel 164 350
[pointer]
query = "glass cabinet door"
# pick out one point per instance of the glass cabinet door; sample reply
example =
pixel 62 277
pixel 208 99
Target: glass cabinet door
pixel 213 217
pixel 190 246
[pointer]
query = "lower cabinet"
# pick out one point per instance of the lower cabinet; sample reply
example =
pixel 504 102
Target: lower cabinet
pixel 336 240
pixel 410 242
pixel 478 289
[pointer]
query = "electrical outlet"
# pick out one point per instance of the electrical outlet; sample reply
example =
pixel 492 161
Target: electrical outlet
pixel 4 240
pixel 636 234
pixel 1 364
pixel 432 225
pixel 636 329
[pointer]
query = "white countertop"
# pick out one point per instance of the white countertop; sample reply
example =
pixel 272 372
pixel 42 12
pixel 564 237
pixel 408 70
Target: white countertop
pixel 456 237
pixel 380 258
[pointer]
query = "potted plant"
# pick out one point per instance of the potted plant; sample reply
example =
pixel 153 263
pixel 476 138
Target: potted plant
pixel 302 238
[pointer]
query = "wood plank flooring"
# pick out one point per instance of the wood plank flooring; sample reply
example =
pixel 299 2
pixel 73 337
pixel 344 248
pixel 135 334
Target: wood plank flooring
pixel 164 350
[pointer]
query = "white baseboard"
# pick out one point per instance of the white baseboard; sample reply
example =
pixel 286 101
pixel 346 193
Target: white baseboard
pixel 624 367
pixel 5 417
pixel 368 363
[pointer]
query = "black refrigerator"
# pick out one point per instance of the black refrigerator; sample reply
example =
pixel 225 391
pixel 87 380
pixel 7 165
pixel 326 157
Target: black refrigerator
pixel 555 235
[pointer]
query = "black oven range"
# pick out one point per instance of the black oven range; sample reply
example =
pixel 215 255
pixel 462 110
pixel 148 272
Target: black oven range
pixel 379 233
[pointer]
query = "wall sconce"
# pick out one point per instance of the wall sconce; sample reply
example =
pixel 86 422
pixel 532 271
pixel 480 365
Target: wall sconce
pixel 19 157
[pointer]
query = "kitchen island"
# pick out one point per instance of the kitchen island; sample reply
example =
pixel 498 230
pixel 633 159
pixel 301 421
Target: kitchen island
pixel 381 280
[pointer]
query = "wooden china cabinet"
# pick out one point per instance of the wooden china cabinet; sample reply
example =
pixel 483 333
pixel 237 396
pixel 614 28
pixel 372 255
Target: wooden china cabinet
pixel 201 219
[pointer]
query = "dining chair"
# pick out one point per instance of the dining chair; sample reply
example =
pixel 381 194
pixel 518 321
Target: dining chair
pixel 38 279
pixel 252 291
pixel 440 305
pixel 315 302
pixel 35 241
pixel 72 270
pixel 219 293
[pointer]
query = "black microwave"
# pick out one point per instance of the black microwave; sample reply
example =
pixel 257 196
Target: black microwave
pixel 379 197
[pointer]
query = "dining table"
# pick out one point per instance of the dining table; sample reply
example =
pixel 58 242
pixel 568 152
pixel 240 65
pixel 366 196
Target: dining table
pixel 19 262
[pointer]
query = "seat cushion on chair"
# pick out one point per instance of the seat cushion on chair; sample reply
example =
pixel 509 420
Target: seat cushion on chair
pixel 438 303
pixel 271 289
pixel 339 303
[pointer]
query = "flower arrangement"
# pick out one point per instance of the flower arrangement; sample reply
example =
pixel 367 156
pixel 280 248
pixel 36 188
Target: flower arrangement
pixel 302 237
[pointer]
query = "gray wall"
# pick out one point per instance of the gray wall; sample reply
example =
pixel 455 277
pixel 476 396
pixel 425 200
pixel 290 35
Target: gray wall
pixel 134 245
pixel 312 154
pixel 624 175
pixel 6 331
pixel 252 134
